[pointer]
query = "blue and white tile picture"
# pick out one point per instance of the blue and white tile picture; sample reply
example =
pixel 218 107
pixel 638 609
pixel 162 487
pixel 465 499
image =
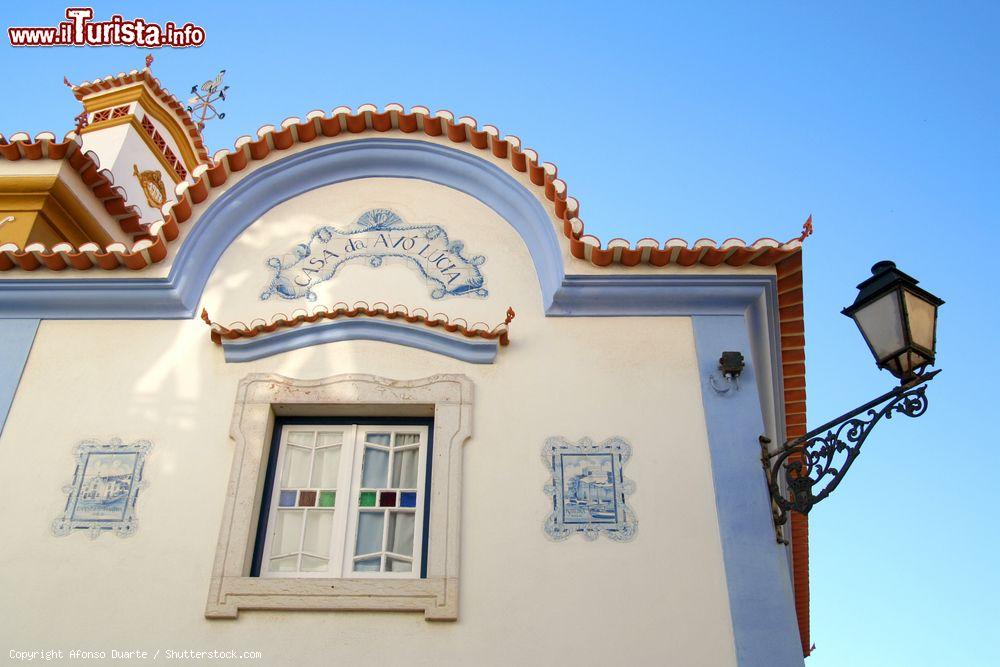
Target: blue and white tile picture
pixel 105 488
pixel 588 489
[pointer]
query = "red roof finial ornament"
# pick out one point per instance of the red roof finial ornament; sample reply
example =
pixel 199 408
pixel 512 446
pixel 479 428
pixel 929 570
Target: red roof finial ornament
pixel 510 315
pixel 807 228
pixel 149 60
pixel 67 83
pixel 81 120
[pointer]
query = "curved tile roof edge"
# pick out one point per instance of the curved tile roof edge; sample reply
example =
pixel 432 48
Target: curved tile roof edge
pixel 379 309
pixel 368 118
pixel 101 182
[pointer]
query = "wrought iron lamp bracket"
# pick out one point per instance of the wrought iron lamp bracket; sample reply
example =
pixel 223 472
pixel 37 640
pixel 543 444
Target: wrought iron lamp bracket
pixel 804 471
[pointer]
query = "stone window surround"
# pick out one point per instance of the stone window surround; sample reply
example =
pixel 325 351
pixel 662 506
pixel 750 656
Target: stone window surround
pixel 263 396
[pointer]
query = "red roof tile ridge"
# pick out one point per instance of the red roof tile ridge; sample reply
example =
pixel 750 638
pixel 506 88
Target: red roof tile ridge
pixel 379 309
pixel 394 117
pixel 145 76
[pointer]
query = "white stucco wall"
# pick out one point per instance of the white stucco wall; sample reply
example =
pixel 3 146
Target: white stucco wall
pixel 660 599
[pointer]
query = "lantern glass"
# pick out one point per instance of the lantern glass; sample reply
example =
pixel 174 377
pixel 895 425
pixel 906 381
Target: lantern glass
pixel 897 319
pixel 881 323
pixel 922 316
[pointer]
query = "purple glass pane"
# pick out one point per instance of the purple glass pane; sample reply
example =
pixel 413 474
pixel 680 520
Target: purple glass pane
pixel 286 499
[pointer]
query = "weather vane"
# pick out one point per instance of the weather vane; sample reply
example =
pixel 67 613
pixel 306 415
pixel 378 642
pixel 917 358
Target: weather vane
pixel 203 102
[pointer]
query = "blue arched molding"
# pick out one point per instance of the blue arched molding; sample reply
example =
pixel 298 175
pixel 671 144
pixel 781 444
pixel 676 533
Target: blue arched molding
pixel 242 204
pixel 472 350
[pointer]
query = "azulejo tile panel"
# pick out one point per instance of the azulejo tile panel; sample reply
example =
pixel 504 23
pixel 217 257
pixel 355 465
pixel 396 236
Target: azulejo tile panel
pixel 588 489
pixel 104 490
pixel 379 234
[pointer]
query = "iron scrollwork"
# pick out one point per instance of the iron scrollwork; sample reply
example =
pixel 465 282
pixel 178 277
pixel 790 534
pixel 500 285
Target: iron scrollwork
pixel 813 465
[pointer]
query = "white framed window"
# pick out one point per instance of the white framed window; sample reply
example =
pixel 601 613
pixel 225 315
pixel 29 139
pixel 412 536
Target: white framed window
pixel 345 500
pixel 340 420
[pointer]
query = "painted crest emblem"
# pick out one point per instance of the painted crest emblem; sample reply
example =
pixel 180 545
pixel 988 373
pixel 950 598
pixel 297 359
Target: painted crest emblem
pixel 151 182
pixel 376 236
pixel 588 489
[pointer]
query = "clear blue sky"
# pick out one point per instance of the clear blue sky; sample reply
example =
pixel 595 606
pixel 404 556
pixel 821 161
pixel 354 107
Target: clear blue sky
pixel 740 119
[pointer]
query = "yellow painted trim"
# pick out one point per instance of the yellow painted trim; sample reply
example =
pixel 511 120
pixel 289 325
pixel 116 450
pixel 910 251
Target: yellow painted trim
pixel 153 107
pixel 56 205
pixel 137 126
pixel 105 124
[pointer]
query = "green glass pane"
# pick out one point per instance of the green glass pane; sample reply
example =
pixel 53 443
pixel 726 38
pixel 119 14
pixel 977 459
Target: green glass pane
pixel 326 498
pixel 367 499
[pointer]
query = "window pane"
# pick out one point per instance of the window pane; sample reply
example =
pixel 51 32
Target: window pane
pixel 328 438
pixel 312 564
pixel 404 439
pixel 325 467
pixel 317 536
pixel 368 565
pixel 287 532
pixel 369 533
pixel 303 438
pixel 376 468
pixel 401 533
pixel 378 438
pixel 295 472
pixel 404 469
pixel 395 565
pixel 286 564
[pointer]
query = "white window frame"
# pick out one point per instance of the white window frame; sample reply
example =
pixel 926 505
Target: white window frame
pixel 347 505
pixel 260 398
pixel 355 510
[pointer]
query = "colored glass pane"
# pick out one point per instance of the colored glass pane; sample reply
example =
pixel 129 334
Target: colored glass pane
pixel 387 499
pixel 367 499
pixel 408 499
pixel 307 498
pixel 327 498
pixel 286 499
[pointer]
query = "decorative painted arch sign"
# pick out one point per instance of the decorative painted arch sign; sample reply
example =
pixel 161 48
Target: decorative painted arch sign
pixel 378 235
pixel 588 489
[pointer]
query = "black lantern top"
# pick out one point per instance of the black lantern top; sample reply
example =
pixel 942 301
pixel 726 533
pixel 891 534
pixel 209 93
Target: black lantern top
pixel 898 320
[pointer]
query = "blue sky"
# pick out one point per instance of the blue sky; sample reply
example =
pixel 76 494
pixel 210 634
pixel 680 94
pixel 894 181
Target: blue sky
pixel 882 120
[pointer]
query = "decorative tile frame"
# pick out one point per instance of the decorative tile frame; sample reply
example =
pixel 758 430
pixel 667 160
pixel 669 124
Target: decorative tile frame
pixel 262 396
pixel 588 489
pixel 105 488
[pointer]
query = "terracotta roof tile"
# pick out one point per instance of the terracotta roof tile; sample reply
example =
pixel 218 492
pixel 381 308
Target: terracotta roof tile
pixel 368 118
pixel 360 308
pixel 44 146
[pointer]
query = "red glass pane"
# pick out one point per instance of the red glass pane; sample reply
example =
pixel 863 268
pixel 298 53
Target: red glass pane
pixel 387 499
pixel 307 498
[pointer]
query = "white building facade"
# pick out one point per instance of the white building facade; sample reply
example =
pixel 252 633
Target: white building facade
pixel 377 398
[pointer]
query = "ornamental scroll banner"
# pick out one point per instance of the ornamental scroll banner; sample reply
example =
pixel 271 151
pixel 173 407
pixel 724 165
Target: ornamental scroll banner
pixel 378 235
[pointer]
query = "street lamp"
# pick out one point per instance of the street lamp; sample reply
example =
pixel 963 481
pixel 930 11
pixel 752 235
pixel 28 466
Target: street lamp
pixel 897 319
pixel 899 322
